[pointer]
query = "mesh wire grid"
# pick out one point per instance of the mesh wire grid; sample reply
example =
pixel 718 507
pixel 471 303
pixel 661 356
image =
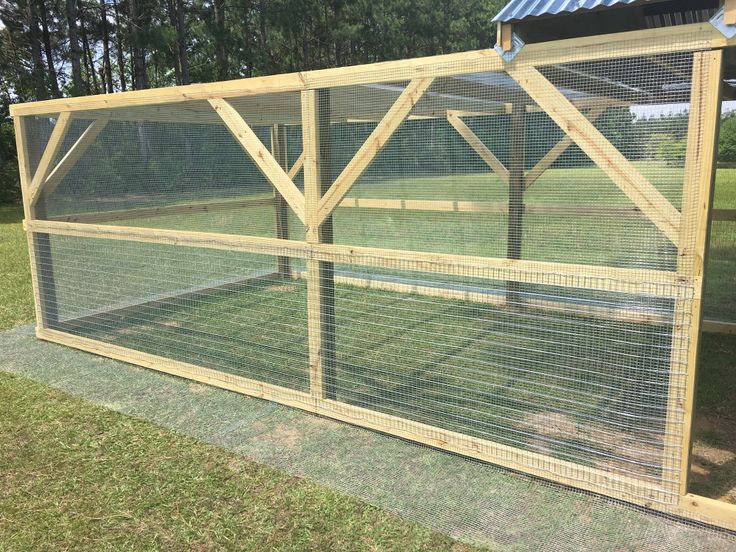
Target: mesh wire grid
pixel 583 375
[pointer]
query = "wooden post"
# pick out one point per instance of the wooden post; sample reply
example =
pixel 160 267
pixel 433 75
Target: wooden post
pixel 320 274
pixel 697 199
pixel 516 195
pixel 279 151
pixel 39 244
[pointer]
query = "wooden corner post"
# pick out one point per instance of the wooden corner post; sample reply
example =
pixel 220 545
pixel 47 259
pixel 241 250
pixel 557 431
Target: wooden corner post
pixel 279 152
pixel 39 244
pixel 320 274
pixel 697 199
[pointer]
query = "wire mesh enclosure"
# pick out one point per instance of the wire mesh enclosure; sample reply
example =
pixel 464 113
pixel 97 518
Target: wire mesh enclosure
pixel 494 258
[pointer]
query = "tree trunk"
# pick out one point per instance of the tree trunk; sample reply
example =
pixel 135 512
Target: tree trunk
pixel 38 70
pixel 52 76
pixel 106 64
pixel 119 45
pixel 140 79
pixel 75 53
pixel 89 63
pixel 220 51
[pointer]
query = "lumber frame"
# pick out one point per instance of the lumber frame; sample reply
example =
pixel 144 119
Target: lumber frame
pixel 263 159
pixel 697 201
pixel 729 12
pixel 372 146
pixel 49 154
pixel 321 272
pixel 478 146
pixel 619 169
pixel 700 37
pixel 281 207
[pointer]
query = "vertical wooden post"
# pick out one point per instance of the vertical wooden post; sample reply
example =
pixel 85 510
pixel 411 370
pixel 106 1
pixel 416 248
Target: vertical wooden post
pixel 280 151
pixel 39 245
pixel 516 195
pixel 320 275
pixel 697 198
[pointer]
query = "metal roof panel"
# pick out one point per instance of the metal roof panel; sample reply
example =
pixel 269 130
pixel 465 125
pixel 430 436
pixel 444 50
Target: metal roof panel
pixel 516 10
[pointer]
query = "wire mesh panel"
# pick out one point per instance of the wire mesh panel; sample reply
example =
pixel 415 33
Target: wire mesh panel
pixel 499 260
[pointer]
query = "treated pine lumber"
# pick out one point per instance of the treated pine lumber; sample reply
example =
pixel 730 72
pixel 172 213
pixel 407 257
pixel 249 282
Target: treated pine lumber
pixel 709 510
pixel 320 272
pixel 479 147
pixel 297 166
pixel 557 150
pixel 26 176
pixel 260 156
pixel 584 477
pixel 52 149
pixel 515 221
pixel 75 153
pixel 372 146
pixel 697 201
pixel 505 36
pixel 481 296
pixel 729 12
pixel 602 278
pixel 634 43
pixel 604 154
pixel 281 207
pixel 164 210
pixel 719 326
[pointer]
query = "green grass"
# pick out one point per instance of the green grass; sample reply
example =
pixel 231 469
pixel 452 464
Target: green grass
pixel 16 296
pixel 74 476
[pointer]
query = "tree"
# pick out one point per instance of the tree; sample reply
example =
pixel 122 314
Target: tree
pixel 727 139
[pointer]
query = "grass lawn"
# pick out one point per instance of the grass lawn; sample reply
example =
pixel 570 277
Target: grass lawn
pixel 186 333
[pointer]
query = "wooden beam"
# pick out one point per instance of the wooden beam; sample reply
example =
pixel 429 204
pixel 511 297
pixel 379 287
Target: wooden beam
pixel 74 154
pixel 697 200
pixel 619 169
pixel 729 12
pixel 504 36
pixel 724 214
pixel 320 272
pixel 164 210
pixel 557 150
pixel 623 280
pixel 515 222
pixel 280 154
pixel 296 167
pixel 372 146
pixel 718 326
pixel 52 148
pixel 260 155
pixel 478 146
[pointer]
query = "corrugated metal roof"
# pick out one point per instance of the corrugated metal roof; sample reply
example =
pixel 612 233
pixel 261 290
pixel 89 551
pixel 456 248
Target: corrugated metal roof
pixel 517 10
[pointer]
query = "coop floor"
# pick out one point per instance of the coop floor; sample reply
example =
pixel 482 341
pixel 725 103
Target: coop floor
pixel 475 502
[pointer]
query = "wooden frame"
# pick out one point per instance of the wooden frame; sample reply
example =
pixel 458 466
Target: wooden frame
pixel 322 196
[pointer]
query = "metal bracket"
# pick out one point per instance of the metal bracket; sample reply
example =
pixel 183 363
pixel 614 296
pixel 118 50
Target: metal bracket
pixel 729 31
pixel 516 45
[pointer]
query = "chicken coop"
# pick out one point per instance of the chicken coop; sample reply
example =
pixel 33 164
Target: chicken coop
pixel 499 253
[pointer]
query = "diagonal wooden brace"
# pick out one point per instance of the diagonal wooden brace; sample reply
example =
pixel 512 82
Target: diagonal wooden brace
pixel 478 146
pixel 260 155
pixel 596 146
pixel 49 154
pixel 373 145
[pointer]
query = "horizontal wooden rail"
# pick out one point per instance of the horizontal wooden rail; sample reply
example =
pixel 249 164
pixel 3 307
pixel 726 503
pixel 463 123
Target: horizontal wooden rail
pixel 164 210
pixel 602 278
pixel 635 43
pixel 584 477
pixel 718 326
pixel 489 298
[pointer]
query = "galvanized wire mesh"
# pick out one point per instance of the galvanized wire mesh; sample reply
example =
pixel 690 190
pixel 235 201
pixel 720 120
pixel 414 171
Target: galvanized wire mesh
pixel 570 363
